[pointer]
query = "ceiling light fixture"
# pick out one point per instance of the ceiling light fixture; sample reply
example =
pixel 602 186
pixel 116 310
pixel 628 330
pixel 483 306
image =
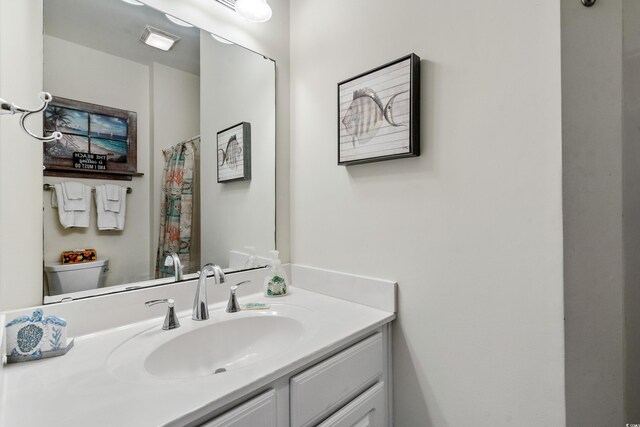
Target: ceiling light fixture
pixel 177 21
pixel 159 39
pixel 254 10
pixel 220 39
pixel 134 2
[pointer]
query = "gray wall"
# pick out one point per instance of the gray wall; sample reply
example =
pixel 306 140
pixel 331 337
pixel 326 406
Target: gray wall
pixel 631 203
pixel 592 205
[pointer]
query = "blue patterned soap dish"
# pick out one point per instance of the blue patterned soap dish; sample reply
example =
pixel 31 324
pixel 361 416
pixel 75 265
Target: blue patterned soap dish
pixel 35 337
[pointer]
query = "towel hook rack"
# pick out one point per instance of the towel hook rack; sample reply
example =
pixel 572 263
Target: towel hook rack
pixel 7 107
pixel 588 3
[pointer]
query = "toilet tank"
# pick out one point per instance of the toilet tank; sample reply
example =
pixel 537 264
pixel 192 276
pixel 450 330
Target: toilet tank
pixel 66 278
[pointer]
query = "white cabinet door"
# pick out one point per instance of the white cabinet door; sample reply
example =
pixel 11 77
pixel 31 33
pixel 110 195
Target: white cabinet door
pixel 257 412
pixel 366 410
pixel 317 392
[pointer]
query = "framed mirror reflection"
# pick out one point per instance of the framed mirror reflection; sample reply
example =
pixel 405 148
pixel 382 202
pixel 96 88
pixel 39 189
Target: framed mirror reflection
pixel 183 90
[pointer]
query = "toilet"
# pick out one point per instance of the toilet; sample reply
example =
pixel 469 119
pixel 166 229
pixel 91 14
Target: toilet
pixel 66 278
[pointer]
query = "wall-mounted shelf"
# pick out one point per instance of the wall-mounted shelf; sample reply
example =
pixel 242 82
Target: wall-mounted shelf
pixel 75 173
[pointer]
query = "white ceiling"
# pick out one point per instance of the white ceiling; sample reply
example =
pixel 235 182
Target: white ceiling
pixel 115 27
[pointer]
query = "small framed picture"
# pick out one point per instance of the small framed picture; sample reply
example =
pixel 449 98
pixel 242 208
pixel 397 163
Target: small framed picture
pixel 234 153
pixel 379 113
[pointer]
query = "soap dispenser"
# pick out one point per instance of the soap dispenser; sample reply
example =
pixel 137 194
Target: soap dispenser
pixel 276 284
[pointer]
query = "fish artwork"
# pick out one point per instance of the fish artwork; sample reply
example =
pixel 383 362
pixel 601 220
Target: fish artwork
pixel 366 114
pixel 232 155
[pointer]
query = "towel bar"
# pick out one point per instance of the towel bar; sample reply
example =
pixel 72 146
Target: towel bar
pixel 49 187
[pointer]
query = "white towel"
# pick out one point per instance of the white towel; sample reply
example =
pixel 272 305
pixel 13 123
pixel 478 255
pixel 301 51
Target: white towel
pixel 76 215
pixel 111 197
pixel 113 192
pixel 73 189
pixel 108 219
pixel 72 195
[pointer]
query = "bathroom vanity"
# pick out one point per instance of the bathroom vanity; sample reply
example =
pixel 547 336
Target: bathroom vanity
pixel 320 356
pixel 349 388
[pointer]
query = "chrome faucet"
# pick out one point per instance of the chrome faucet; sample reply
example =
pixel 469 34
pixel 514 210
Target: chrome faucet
pixel 174 259
pixel 200 305
pixel 170 320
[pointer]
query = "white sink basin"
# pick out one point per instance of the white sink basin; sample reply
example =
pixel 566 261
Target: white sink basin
pixel 225 343
pixel 228 344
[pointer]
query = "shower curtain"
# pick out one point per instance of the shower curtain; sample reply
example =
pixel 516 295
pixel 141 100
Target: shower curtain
pixel 176 207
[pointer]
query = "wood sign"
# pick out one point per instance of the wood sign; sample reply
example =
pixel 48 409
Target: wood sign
pixel 88 161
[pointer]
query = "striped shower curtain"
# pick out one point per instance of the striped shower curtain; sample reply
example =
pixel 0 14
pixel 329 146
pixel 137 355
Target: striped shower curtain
pixel 176 207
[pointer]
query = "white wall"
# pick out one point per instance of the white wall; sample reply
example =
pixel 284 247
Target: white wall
pixel 176 117
pixel 20 156
pixel 592 203
pixel 472 229
pixel 479 338
pixel 72 72
pixel 241 213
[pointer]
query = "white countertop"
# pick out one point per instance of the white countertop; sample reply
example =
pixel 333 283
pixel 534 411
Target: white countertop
pixel 77 389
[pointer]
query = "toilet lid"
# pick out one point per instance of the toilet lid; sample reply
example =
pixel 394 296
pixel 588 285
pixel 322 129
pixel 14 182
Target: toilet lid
pixel 58 266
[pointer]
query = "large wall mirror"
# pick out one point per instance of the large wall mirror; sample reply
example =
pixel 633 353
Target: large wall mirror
pixel 204 136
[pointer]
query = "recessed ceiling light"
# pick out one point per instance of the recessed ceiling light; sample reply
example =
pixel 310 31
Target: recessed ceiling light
pixel 177 21
pixel 254 10
pixel 220 39
pixel 159 39
pixel 134 2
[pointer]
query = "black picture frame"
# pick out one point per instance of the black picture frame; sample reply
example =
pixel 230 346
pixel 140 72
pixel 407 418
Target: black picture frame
pixel 78 137
pixel 379 113
pixel 234 153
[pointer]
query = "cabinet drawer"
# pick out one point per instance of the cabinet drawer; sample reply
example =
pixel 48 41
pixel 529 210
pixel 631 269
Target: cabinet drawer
pixel 320 390
pixel 367 410
pixel 257 412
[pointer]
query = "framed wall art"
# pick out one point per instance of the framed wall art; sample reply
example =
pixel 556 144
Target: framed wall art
pixel 96 140
pixel 379 113
pixel 234 153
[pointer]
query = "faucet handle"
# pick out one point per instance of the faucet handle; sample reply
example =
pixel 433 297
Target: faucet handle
pixel 232 305
pixel 234 288
pixel 170 320
pixel 168 261
pixel 169 301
